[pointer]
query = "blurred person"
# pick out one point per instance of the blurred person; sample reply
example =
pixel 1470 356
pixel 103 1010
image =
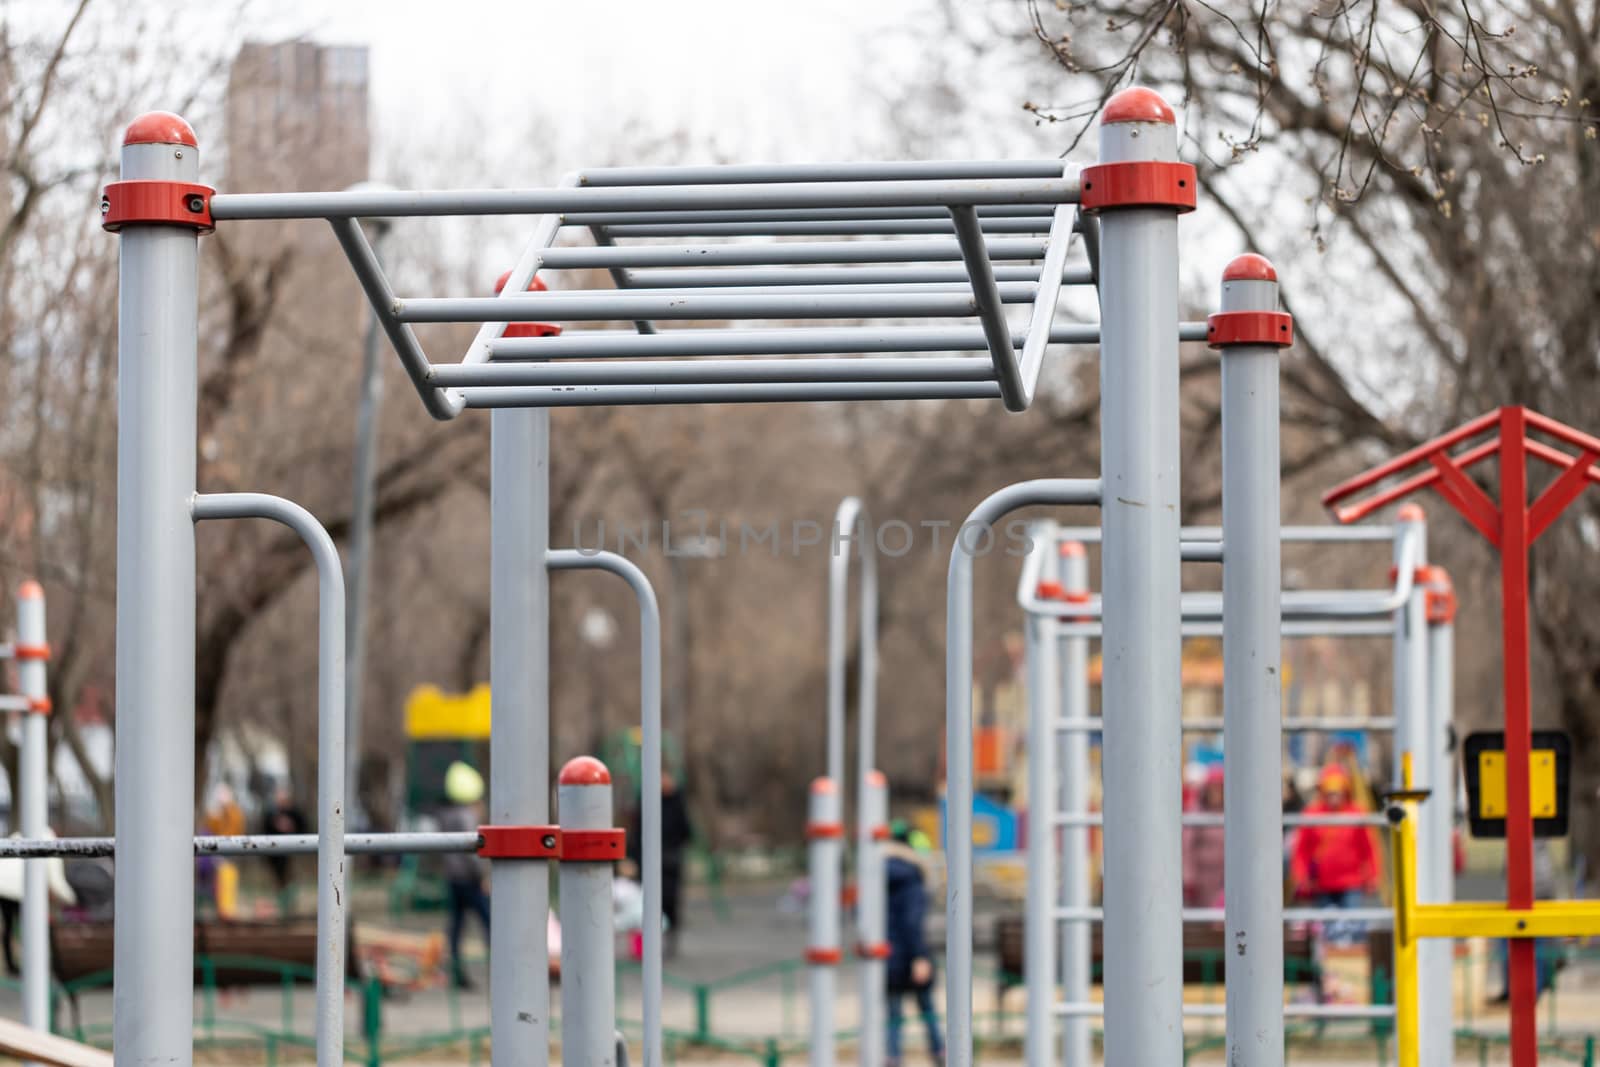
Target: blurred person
pixel 1202 846
pixel 466 880
pixel 1335 866
pixel 284 817
pixel 677 833
pixel 224 818
pixel 910 965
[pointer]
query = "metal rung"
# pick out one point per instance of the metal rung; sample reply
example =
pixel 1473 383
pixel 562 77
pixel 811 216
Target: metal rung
pixel 1206 818
pixel 1374 916
pixel 1096 724
pixel 1095 1009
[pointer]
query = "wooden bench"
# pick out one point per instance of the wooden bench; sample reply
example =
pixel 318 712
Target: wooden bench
pixel 84 948
pixel 35 1047
pixel 1204 955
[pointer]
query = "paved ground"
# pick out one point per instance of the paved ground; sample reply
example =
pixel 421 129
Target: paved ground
pixel 756 932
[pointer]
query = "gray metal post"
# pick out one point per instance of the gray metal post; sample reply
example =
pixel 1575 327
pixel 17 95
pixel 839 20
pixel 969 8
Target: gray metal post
pixel 331 896
pixel 1411 735
pixel 588 936
pixel 825 837
pixel 872 916
pixel 1436 824
pixel 1073 773
pixel 156 425
pixel 1044 697
pixel 519 743
pixel 1142 761
pixel 1252 681
pixel 360 570
pixel 32 653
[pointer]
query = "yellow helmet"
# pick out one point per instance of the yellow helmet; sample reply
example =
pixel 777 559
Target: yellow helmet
pixel 463 784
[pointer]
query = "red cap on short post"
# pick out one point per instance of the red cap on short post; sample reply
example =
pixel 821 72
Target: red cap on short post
pixel 823 784
pixel 159 127
pixel 1138 104
pixel 1072 549
pixel 1412 513
pixel 584 770
pixel 30 590
pixel 527 329
pixel 1249 268
pixel 877 780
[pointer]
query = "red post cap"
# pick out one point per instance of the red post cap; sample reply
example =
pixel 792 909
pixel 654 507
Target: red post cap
pixel 1049 590
pixel 823 784
pixel 159 127
pixel 30 590
pixel 1249 268
pixel 1072 549
pixel 1138 104
pixel 1412 513
pixel 584 770
pixel 877 780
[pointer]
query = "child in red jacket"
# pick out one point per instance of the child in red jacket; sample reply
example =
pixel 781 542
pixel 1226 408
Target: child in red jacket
pixel 1334 865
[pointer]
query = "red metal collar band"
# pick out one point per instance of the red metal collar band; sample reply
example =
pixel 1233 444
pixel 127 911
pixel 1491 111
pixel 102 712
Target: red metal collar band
pixel 877 951
pixel 592 846
pixel 520 842
pixel 1107 186
pixel 1250 328
pixel 880 833
pixel 822 830
pixel 823 957
pixel 39 705
pixel 31 651
pixel 157 202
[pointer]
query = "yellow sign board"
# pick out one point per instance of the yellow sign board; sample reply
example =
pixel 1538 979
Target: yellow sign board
pixel 1541 784
pixel 434 715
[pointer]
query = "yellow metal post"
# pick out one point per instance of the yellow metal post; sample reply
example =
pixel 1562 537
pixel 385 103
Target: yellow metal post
pixel 1407 1015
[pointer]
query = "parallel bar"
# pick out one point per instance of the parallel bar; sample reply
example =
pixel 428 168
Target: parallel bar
pixel 1354 534
pixel 839 214
pixel 1216 818
pixel 397 204
pixel 1092 724
pixel 716 372
pixel 991 312
pixel 331 896
pixel 771 253
pixel 1378 627
pixel 391 844
pixel 33 808
pixel 621 277
pixel 599 307
pixel 896 170
pixel 871 227
pixel 885 276
pixel 780 341
pixel 1375 916
pixel 758 393
pixel 1094 1008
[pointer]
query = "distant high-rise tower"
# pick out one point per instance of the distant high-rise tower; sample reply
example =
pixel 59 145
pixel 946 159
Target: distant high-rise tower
pixel 297 117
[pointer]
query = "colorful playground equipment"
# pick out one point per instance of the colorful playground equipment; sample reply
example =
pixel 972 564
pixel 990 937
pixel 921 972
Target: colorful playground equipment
pixel 963 240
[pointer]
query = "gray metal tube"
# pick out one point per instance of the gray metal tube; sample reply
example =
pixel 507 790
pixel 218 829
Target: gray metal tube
pixel 1438 811
pixel 588 935
pixel 1142 751
pixel 392 844
pixel 604 306
pixel 717 372
pixel 520 396
pixel 839 214
pixel 1252 687
pixel 1208 818
pixel 867 227
pixel 785 252
pixel 1314 534
pixel 1093 1008
pixel 859 276
pixel 359 577
pixel 400 204
pixel 990 308
pixel 1378 915
pixel 1044 303
pixel 519 668
pixel 330 747
pixel 825 837
pixel 778 341
pixel 844 519
pixel 958 738
pixel 897 170
pixel 157 330
pixel 621 277
pixel 1210 725
pixel 649 773
pixel 521 275
pixel 872 948
pixel 33 804
pixel 1044 696
pixel 1073 772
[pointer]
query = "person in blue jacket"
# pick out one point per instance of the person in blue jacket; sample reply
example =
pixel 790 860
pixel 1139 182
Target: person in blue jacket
pixel 910 968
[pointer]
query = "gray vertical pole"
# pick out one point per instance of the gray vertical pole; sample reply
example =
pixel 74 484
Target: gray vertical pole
pixel 588 938
pixel 838 630
pixel 1073 772
pixel 825 837
pixel 519 744
pixel 1142 767
pixel 1044 696
pixel 1411 735
pixel 156 412
pixel 1252 683
pixel 32 652
pixel 360 568
pixel 872 915
pixel 1437 818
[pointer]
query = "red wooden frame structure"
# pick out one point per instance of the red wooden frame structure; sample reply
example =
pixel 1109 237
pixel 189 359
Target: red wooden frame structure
pixel 1512 526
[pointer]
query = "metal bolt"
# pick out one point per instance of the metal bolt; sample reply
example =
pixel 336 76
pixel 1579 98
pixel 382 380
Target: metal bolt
pixel 548 841
pixel 1522 924
pixel 177 153
pixel 105 205
pixel 196 204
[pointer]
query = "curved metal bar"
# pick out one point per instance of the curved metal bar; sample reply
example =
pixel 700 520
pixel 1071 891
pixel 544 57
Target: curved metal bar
pixel 650 769
pixel 958 738
pixel 330 746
